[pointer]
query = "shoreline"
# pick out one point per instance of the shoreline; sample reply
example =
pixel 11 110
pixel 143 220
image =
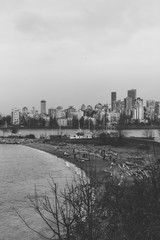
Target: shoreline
pixel 131 126
pixel 58 151
pixel 103 166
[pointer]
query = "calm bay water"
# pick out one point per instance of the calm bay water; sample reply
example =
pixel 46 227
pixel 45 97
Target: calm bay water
pixel 47 132
pixel 20 169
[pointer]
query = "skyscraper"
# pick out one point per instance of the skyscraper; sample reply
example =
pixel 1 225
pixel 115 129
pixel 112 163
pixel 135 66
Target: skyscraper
pixel 113 100
pixel 128 106
pixel 138 111
pixel 43 107
pixel 132 94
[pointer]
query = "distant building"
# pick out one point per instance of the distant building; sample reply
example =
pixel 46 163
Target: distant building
pixel 43 107
pixel 25 110
pixel 98 107
pixel 52 112
pixel 83 107
pixel 60 113
pixel 88 111
pixel 113 100
pixel 150 108
pixel 80 114
pixel 133 95
pixel 24 115
pixel 157 110
pixel 15 116
pixel 113 117
pixel 120 106
pixel 138 110
pixel 128 106
pixel 71 112
pixel 33 113
pixel 150 104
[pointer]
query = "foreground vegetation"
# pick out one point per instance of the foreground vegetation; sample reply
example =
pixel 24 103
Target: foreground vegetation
pixel 107 208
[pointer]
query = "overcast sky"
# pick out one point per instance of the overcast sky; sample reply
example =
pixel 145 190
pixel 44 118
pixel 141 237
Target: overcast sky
pixel 71 52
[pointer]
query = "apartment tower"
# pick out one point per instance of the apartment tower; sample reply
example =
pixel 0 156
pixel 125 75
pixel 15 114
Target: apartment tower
pixel 43 107
pixel 133 95
pixel 128 106
pixel 113 100
pixel 138 111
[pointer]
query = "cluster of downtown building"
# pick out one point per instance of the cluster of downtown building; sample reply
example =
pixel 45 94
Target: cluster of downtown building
pixel 130 108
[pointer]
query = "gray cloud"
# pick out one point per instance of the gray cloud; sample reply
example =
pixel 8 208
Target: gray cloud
pixel 33 24
pixel 105 44
pixel 108 22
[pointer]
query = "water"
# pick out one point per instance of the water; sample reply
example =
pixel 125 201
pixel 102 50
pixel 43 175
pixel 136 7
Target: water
pixel 20 169
pixel 47 132
pixel 40 132
pixel 143 133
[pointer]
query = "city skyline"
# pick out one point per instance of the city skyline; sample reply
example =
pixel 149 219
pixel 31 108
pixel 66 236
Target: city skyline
pixel 75 52
pixel 44 108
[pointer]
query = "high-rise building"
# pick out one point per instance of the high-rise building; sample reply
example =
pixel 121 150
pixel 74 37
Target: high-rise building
pixel 43 107
pixel 132 94
pixel 138 111
pixel 113 100
pixel 128 106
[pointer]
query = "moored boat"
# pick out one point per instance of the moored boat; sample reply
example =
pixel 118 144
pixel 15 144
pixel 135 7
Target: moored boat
pixel 80 134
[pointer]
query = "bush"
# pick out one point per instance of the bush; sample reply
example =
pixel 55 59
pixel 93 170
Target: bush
pixel 133 210
pixel 30 136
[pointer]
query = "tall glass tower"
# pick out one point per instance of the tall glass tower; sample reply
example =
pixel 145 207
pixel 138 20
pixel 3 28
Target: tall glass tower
pixel 132 94
pixel 113 100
